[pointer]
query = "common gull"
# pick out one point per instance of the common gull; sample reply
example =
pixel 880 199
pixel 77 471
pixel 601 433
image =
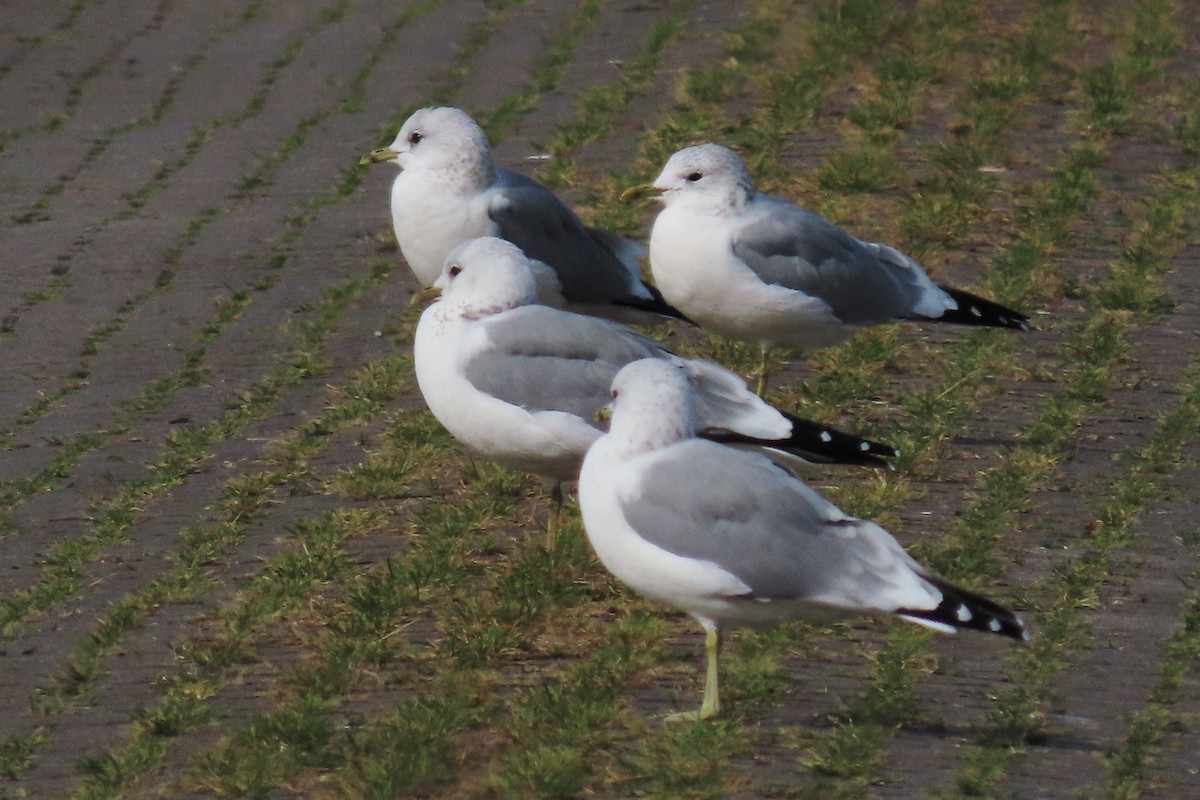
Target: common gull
pixel 521 383
pixel 759 269
pixel 450 191
pixel 731 537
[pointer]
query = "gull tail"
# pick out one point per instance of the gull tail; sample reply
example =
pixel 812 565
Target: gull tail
pixel 962 609
pixel 813 442
pixel 975 310
pixel 655 304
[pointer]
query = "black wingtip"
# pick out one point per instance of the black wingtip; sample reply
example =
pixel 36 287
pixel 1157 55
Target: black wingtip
pixel 963 609
pixel 656 304
pixel 975 310
pixel 833 446
pixel 815 442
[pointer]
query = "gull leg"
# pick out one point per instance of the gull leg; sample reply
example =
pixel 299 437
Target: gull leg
pixel 710 706
pixel 761 389
pixel 555 521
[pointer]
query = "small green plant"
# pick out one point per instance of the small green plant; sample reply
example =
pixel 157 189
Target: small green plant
pixel 17 752
pixel 865 168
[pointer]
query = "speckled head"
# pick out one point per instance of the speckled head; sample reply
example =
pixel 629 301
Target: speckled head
pixel 486 276
pixel 445 139
pixel 651 405
pixel 706 176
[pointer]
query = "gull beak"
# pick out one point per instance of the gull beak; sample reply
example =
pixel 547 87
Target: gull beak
pixel 603 414
pixel 639 192
pixel 377 155
pixel 426 296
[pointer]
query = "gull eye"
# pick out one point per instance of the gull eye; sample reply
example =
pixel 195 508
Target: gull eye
pixel 614 394
pixel 415 137
pixel 695 176
pixel 454 270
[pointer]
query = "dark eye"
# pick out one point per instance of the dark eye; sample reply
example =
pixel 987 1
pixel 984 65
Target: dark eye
pixel 615 393
pixel 695 176
pixel 454 270
pixel 415 137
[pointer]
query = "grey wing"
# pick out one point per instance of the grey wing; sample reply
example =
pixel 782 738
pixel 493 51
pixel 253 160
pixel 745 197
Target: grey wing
pixel 543 359
pixel 721 399
pixel 793 247
pixel 758 522
pixel 593 267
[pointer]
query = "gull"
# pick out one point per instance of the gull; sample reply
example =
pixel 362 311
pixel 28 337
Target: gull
pixel 733 538
pixel 521 383
pixel 759 269
pixel 449 191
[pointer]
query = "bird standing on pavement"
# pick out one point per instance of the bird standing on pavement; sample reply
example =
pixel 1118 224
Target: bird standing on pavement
pixel 755 268
pixel 521 383
pixel 449 191
pixel 731 537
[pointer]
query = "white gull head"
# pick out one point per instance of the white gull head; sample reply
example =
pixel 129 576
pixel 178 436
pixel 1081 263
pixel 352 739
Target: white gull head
pixel 445 140
pixel 706 177
pixel 651 406
pixel 486 276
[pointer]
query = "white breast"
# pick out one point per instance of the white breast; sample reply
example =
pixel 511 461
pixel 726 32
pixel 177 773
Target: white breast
pixel 699 587
pixel 685 259
pixel 430 221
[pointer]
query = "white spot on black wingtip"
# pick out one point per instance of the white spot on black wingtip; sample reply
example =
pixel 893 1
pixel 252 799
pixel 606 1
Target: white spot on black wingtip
pixel 826 437
pixel 994 626
pixel 864 446
pixel 975 312
pixel 1025 637
pixel 963 614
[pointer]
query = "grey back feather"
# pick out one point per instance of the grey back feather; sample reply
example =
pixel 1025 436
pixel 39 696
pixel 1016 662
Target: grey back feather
pixel 542 359
pixel 589 267
pixel 755 520
pixel 794 247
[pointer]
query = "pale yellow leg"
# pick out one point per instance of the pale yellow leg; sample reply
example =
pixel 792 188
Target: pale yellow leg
pixel 710 706
pixel 761 389
pixel 555 521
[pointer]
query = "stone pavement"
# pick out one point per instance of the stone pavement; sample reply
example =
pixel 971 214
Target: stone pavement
pixel 180 194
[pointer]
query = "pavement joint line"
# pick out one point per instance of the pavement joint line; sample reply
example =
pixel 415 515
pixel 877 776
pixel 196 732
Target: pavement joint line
pixel 153 116
pixel 187 236
pixel 1051 289
pixel 75 87
pixel 67 687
